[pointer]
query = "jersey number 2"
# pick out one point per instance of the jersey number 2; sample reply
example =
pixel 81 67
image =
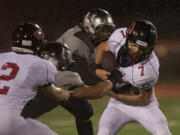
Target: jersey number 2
pixel 11 76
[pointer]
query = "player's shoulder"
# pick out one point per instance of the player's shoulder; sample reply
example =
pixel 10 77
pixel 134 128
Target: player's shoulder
pixel 117 40
pixel 44 68
pixel 118 35
pixel 68 33
pixel 7 54
pixel 41 64
pixel 72 30
pixel 154 60
pixel 47 64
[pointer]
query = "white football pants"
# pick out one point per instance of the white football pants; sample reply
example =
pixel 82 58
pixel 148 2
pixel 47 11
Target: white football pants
pixel 14 124
pixel 116 116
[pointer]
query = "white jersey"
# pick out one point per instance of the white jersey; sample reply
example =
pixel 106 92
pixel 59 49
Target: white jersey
pixel 20 76
pixel 143 74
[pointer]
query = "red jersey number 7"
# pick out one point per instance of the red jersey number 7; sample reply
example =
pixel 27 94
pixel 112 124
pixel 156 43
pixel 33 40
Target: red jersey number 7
pixel 11 76
pixel 142 70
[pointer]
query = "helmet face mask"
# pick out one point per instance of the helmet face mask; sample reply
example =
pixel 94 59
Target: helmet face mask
pixel 50 58
pixel 97 21
pixel 58 54
pixel 28 38
pixel 103 32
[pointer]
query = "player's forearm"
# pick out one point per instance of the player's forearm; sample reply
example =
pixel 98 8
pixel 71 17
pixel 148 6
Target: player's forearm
pixel 55 93
pixel 92 92
pixel 135 100
pixel 141 99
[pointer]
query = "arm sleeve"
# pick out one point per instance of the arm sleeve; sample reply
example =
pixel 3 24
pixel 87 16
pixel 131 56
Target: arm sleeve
pixel 51 72
pixel 117 39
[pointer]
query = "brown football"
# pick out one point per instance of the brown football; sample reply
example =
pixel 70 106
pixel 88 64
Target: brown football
pixel 108 61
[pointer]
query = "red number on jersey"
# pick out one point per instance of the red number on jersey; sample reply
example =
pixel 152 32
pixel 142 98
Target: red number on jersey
pixel 122 32
pixel 142 70
pixel 11 76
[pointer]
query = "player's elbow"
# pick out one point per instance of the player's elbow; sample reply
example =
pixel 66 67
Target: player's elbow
pixel 100 89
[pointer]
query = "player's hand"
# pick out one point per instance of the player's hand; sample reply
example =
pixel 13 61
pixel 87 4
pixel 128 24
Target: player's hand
pixel 102 74
pixel 59 94
pixel 115 77
pixel 63 95
pixel 111 94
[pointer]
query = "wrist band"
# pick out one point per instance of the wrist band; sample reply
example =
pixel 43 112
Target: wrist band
pixel 98 66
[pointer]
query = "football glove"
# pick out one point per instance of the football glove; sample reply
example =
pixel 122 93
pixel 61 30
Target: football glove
pixel 115 77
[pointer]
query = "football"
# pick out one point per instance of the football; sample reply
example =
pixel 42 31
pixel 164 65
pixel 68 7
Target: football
pixel 108 62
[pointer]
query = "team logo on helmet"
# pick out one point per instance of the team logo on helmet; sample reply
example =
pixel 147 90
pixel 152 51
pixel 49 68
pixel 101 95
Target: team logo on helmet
pixel 39 34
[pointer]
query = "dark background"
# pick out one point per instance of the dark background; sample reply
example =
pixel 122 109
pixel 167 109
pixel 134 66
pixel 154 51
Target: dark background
pixel 56 16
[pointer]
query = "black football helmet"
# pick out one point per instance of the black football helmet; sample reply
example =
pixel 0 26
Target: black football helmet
pixel 28 38
pixel 57 53
pixel 99 25
pixel 144 34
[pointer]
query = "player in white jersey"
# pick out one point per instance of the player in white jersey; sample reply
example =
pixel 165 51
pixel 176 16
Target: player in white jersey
pixel 22 73
pixel 133 49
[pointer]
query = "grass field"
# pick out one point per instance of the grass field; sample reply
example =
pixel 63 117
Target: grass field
pixel 62 122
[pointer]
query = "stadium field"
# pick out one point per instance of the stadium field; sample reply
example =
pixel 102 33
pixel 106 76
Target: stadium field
pixel 62 122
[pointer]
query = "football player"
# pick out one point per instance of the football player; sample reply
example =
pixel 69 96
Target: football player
pixel 139 65
pixel 95 27
pixel 58 54
pixel 22 73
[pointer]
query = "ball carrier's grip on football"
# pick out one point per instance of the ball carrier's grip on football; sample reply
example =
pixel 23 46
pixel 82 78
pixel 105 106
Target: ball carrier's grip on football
pixel 102 74
pixel 115 77
pixel 107 64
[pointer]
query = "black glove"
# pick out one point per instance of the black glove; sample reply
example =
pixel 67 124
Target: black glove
pixel 115 77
